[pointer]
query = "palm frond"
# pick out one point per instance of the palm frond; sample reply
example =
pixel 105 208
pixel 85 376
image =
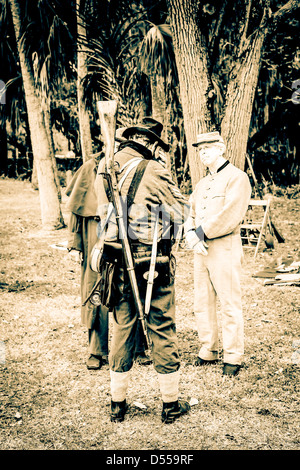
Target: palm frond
pixel 156 51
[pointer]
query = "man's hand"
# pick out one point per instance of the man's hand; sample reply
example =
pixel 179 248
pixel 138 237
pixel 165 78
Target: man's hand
pixel 194 243
pixel 191 239
pixel 201 248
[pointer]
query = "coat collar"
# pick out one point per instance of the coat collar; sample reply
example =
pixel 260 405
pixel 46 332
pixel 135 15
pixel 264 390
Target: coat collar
pixel 141 149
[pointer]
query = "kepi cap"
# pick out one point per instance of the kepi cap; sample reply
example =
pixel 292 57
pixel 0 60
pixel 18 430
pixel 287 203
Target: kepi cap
pixel 208 138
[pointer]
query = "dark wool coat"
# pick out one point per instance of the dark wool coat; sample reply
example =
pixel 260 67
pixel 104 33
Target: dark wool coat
pixel 82 226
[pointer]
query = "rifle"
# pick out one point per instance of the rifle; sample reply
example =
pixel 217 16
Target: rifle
pixel 108 115
pixel 151 272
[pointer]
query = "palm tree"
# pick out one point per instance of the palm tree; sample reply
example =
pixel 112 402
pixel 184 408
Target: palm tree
pixel 113 38
pixel 12 111
pixel 43 154
pixel 157 61
pixel 83 113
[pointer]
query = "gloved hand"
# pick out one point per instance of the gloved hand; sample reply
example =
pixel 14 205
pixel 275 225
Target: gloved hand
pixel 191 239
pixel 201 248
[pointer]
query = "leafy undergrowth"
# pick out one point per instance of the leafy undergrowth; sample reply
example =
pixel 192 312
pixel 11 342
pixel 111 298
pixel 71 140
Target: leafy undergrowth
pixel 49 400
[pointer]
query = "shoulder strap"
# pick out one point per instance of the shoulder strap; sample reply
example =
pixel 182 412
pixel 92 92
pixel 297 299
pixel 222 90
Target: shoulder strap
pixel 137 177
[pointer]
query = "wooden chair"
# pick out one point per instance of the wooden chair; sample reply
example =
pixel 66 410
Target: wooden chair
pixel 254 226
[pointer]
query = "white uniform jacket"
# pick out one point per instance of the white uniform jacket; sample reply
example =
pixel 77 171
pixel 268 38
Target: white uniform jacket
pixel 219 203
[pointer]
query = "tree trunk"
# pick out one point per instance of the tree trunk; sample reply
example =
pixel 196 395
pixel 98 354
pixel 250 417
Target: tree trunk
pixel 191 60
pixel 50 207
pixel 159 108
pixel 239 103
pixel 84 118
pixel 34 177
pixel 3 146
pixel 192 64
pixel 47 119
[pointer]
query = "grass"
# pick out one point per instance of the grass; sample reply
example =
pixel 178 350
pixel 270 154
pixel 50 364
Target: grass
pixel 50 401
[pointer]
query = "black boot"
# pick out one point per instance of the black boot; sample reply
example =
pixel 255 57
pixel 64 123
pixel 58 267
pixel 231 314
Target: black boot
pixel 174 410
pixel 118 410
pixel 231 369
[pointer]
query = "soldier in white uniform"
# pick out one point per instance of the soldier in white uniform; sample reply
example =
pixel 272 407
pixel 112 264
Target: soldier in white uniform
pixel 218 206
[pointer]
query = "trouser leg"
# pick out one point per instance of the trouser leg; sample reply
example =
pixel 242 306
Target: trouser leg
pixel 205 310
pixel 162 333
pixel 162 330
pixel 140 341
pixel 160 324
pixel 123 338
pixel 125 325
pixel 225 274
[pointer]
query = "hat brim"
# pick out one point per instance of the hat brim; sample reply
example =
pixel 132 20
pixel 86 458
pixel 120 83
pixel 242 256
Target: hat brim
pixel 197 144
pixel 119 139
pixel 119 134
pixel 146 131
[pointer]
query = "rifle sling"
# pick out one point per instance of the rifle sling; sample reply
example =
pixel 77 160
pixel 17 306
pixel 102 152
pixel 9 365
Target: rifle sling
pixel 137 178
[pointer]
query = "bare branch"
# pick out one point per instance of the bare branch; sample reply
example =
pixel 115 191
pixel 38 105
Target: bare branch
pixel 268 21
pixel 246 23
pixel 218 25
pixel 288 8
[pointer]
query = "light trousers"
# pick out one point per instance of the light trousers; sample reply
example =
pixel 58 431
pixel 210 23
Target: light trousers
pixel 219 275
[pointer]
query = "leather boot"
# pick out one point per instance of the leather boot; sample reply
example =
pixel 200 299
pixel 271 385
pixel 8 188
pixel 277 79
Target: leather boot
pixel 94 362
pixel 174 410
pixel 118 410
pixel 203 362
pixel 231 369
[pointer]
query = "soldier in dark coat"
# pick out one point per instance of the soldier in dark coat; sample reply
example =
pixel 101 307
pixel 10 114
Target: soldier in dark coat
pixel 82 226
pixel 156 194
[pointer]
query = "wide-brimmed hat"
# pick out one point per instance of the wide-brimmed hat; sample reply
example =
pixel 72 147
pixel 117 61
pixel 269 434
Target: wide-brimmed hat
pixel 150 127
pixel 209 138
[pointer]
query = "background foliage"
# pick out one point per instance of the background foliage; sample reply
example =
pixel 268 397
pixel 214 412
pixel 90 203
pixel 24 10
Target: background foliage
pixel 130 45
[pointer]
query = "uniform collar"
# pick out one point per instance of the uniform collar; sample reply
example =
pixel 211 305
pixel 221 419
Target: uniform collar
pixel 220 168
pixel 223 166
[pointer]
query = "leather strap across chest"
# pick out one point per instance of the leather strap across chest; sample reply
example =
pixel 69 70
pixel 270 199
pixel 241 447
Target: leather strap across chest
pixel 137 178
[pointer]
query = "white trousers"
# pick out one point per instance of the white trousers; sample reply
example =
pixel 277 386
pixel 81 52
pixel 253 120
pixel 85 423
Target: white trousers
pixel 218 275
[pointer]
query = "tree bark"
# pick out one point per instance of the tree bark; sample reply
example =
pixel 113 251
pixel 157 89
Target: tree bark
pixel 239 103
pixel 191 59
pixel 84 118
pixel 47 119
pixel 50 206
pixel 159 108
pixel 3 146
pixel 192 63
